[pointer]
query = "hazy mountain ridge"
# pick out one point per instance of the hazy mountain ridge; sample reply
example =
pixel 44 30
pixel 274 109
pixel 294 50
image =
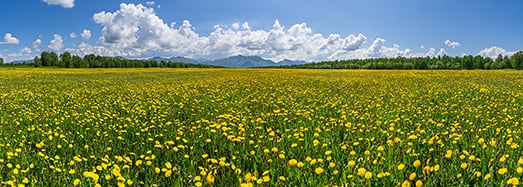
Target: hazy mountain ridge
pixel 238 61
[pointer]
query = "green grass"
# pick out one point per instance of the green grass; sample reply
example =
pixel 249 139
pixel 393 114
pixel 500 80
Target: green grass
pixel 227 127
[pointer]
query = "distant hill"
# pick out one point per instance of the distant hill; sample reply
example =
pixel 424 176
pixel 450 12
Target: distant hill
pixel 288 62
pixel 177 59
pixel 242 62
pixel 21 61
pixel 238 61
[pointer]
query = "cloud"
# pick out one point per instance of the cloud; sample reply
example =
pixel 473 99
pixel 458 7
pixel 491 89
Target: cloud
pixel 452 44
pixel 36 43
pixel 136 30
pixel 63 3
pixel 26 51
pixel 57 43
pixel 72 35
pixel 494 51
pixel 86 34
pixel 150 3
pixel 10 39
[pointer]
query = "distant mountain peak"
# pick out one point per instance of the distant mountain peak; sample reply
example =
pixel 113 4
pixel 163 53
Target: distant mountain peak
pixel 237 61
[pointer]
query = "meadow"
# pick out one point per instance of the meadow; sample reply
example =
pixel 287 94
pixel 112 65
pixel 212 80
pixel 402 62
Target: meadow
pixel 260 127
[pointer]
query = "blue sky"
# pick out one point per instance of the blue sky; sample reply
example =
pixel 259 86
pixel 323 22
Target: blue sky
pixel 272 29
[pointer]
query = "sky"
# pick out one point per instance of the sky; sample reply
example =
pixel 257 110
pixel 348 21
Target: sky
pixel 272 29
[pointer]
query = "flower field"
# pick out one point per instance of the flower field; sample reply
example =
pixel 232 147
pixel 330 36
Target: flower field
pixel 260 127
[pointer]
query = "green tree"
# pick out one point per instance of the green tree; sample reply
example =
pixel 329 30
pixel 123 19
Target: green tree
pixel 516 60
pixel 54 59
pixel 66 60
pixel 477 62
pixel 46 59
pixel 37 61
pixel 1 61
pixel 506 63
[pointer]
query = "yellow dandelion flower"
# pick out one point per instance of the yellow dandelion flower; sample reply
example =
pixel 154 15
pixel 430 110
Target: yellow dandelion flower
pixel 352 163
pixel 514 181
pixel 76 182
pixel 487 176
pixel 401 166
pixel 198 184
pixel 448 154
pixel 361 171
pixel 248 177
pixel 502 171
pixel 405 183
pixel 436 167
pixel 419 183
pixel 210 179
pixel 368 175
pixel 417 163
pixel 464 165
pixel 168 173
pixel 477 174
pixel 300 164
pixel 293 162
pixel 266 178
pixel 318 170
pixel 412 176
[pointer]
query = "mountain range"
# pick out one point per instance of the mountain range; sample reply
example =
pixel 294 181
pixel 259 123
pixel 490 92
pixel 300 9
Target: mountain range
pixel 238 61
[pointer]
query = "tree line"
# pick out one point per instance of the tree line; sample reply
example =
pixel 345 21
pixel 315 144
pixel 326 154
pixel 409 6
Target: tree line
pixel 67 60
pixel 439 62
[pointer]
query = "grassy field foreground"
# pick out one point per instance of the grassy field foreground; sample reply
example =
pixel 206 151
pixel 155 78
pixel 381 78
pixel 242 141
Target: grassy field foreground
pixel 261 127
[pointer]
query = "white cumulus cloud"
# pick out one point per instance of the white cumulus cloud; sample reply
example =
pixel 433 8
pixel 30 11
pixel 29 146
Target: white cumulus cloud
pixel 136 30
pixel 86 34
pixel 63 3
pixel 72 35
pixel 150 3
pixel 10 39
pixel 36 43
pixel 452 44
pixel 494 51
pixel 26 51
pixel 57 43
